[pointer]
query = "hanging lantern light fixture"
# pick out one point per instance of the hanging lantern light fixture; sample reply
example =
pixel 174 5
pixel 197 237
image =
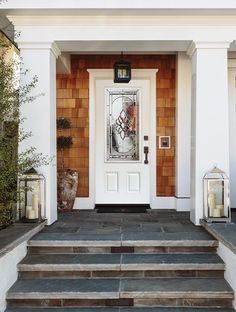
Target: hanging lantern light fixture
pixel 122 71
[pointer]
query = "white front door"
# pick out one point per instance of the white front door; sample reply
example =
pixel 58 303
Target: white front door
pixel 122 132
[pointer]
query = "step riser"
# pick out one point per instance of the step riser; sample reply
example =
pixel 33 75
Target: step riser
pixel 157 302
pixel 118 274
pixel 95 250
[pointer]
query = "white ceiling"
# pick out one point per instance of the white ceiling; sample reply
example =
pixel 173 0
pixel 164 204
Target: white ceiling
pixel 129 47
pixel 107 47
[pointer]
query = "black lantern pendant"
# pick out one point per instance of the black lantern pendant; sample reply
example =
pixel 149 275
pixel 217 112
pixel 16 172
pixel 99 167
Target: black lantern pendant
pixel 122 71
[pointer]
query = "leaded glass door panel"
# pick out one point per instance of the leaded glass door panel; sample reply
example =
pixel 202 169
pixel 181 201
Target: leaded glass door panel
pixel 122 123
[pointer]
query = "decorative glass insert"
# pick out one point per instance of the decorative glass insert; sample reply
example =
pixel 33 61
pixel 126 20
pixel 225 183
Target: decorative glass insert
pixel 122 109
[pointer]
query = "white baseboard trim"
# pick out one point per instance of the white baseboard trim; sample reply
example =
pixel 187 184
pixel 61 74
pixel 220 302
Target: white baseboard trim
pixel 83 203
pixel 182 204
pixel 179 204
pixel 163 203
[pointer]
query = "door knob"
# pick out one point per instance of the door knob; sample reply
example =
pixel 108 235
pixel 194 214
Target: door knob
pixel 146 151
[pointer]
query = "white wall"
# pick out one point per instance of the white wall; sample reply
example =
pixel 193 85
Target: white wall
pixel 8 270
pixel 230 261
pixel 232 129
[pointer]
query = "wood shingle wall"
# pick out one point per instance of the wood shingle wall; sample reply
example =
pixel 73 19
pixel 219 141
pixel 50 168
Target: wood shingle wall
pixel 73 102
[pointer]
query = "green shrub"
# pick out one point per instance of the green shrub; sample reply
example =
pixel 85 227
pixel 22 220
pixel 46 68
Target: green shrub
pixel 12 162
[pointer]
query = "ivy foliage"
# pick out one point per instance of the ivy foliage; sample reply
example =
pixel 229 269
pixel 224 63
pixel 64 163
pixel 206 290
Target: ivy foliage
pixel 63 142
pixel 63 123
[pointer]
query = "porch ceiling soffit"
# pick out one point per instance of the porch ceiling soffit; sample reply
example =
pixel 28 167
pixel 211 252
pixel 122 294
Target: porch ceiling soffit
pixel 40 46
pixel 128 47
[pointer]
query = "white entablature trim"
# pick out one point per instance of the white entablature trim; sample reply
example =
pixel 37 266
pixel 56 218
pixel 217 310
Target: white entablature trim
pixel 40 46
pixel 121 4
pixel 118 20
pixel 207 45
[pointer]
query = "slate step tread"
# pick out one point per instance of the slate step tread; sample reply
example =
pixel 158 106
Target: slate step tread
pixel 121 261
pixel 121 288
pixel 126 239
pixel 108 309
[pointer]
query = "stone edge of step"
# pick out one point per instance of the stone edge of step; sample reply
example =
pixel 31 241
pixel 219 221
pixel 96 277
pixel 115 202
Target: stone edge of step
pixel 122 267
pixel 127 243
pixel 120 309
pixel 121 295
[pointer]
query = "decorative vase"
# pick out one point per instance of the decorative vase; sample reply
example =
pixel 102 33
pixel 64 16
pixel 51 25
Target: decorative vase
pixel 67 183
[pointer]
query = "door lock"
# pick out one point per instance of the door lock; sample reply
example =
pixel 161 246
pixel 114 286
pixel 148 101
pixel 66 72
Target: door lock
pixel 146 151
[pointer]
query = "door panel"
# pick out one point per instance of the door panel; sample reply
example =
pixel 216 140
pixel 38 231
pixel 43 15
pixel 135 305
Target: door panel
pixel 121 122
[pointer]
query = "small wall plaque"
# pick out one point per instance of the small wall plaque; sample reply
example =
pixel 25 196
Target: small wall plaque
pixel 164 142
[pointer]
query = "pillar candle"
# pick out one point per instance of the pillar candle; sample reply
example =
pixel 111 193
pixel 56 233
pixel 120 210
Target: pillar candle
pixel 35 204
pixel 31 214
pixel 216 213
pixel 27 211
pixel 211 203
pixel 221 209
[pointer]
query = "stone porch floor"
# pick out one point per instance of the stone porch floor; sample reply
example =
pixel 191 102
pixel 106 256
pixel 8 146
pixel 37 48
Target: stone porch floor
pixel 154 225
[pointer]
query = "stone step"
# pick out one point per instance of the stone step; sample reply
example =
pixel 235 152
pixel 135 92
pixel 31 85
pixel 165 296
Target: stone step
pixel 143 239
pixel 148 242
pixel 125 265
pixel 204 292
pixel 129 309
pixel 120 249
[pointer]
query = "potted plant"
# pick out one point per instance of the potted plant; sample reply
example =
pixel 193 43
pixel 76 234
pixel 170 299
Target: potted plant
pixel 67 179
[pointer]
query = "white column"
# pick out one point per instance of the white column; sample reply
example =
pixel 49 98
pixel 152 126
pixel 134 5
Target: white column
pixel 232 129
pixel 210 117
pixel 183 132
pixel 40 60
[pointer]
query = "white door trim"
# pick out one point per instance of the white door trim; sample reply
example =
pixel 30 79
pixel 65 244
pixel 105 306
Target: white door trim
pixel 102 74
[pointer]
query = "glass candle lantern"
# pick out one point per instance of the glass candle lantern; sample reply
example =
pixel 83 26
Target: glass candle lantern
pixel 31 206
pixel 216 196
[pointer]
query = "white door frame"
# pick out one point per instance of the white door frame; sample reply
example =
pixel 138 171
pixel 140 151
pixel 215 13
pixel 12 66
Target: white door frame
pixel 103 74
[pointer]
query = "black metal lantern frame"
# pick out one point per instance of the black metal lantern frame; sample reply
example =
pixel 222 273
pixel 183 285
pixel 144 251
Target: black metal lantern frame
pixel 122 71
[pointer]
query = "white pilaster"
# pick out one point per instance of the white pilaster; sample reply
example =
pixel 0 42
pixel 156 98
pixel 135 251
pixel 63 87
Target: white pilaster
pixel 232 129
pixel 183 132
pixel 210 116
pixel 40 60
